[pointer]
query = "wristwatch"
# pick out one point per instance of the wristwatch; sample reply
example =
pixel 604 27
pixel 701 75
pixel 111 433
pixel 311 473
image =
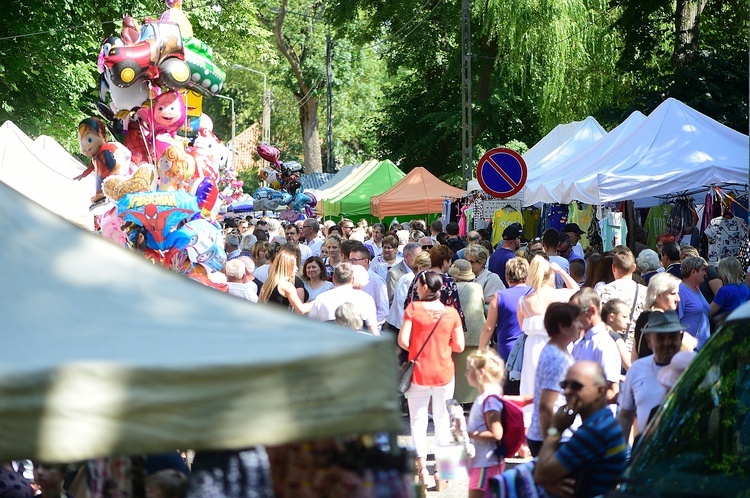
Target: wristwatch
pixel 552 431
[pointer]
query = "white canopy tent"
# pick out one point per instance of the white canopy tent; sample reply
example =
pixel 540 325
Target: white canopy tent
pixel 537 186
pixel 43 171
pixel 675 149
pixel 561 140
pixel 105 353
pixel 578 171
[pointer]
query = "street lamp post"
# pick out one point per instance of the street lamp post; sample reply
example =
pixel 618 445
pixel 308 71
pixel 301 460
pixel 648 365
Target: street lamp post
pixel 266 118
pixel 234 126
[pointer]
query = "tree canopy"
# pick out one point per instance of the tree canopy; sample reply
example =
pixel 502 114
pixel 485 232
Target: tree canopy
pixel 397 68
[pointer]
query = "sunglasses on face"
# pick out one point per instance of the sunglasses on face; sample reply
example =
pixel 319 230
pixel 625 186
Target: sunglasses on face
pixel 426 247
pixel 572 384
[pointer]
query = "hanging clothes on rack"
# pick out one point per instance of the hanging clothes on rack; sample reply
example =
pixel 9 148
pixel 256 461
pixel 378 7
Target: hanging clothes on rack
pixel 594 234
pixel 503 218
pixel 725 235
pixel 557 216
pixel 656 222
pixel 614 229
pixel 581 214
pixel 531 217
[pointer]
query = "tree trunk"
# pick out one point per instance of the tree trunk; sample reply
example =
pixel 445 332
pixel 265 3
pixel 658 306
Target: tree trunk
pixel 308 112
pixel 687 31
pixel 308 119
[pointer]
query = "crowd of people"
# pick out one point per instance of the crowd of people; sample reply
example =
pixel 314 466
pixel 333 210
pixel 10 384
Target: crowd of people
pixel 578 339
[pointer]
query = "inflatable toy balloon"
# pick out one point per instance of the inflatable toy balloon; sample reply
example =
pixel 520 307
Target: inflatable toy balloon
pixel 111 227
pixel 158 55
pixel 160 213
pixel 160 122
pixel 107 158
pixel 124 100
pixel 268 199
pixel 271 177
pixel 269 153
pixel 131 32
pixel 207 194
pixel 115 187
pixel 303 200
pixel 175 15
pixel 291 215
pixel 208 145
pixel 204 244
pixel 173 169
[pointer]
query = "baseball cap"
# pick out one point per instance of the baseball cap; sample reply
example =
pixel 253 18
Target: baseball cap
pixel 512 232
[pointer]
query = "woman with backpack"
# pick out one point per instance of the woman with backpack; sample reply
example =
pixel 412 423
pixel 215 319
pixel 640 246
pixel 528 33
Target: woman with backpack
pixel 561 323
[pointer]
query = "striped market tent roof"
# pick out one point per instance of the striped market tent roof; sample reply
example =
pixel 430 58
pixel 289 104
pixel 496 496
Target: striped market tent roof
pixel 314 180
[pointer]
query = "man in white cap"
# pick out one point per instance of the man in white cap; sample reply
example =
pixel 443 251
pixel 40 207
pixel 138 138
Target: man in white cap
pixel 642 391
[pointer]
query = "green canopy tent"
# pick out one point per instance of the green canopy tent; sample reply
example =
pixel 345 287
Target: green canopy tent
pixel 355 200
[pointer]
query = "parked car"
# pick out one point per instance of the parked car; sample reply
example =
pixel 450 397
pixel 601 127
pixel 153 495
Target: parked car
pixel 698 443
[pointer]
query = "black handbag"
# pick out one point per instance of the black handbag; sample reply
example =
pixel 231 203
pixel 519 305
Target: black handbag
pixel 404 378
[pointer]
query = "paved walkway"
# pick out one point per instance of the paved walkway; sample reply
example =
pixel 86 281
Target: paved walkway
pixel 456 489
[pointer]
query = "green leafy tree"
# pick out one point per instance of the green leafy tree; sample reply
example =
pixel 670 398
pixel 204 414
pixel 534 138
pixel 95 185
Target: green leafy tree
pixel 692 50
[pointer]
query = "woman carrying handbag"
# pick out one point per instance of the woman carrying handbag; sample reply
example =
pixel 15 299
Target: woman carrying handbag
pixel 431 332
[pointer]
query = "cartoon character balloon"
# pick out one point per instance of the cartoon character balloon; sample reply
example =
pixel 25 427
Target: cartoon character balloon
pixel 162 120
pixel 107 158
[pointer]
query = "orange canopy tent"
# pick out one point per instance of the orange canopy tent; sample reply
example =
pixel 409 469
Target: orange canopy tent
pixel 419 192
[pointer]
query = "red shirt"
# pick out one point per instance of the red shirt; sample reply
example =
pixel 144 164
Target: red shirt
pixel 435 365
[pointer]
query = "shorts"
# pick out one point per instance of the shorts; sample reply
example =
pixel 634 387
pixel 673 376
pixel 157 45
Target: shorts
pixel 479 477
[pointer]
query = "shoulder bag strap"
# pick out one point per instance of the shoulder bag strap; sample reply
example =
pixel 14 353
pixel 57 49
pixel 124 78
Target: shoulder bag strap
pixel 428 337
pixel 632 311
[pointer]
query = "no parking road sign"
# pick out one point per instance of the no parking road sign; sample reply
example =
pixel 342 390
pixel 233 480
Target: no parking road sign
pixel 501 172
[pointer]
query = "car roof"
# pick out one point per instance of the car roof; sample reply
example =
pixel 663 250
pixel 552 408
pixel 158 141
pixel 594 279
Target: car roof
pixel 741 313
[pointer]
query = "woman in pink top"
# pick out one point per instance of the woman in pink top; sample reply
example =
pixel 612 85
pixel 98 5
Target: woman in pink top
pixel 434 371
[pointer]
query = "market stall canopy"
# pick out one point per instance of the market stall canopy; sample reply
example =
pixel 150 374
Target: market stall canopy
pixel 555 142
pixel 539 173
pixel 559 136
pixel 355 200
pixel 675 149
pixel 419 192
pixel 105 353
pixel 43 171
pixel 571 175
pixel 341 179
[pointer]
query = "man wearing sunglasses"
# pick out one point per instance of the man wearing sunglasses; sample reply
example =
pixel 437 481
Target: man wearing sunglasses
pixel 591 461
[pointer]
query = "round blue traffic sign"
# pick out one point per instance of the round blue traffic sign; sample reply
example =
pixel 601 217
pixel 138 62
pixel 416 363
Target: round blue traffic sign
pixel 501 172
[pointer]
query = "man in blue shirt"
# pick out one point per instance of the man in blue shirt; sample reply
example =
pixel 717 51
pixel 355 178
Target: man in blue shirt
pixel 511 243
pixel 589 463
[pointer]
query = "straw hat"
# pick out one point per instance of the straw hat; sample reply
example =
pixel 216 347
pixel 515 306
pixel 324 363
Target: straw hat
pixel 461 270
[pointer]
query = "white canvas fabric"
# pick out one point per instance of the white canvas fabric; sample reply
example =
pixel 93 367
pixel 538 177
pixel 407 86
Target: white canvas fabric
pixel 675 149
pixel 105 353
pixel 540 175
pixel 43 171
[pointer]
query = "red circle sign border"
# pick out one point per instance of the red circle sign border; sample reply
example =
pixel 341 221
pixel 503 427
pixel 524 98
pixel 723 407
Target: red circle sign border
pixel 487 157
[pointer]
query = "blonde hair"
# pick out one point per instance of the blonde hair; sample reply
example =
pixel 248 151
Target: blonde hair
pixel 540 273
pixel 281 269
pixel 488 364
pixel 730 271
pixel 422 261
